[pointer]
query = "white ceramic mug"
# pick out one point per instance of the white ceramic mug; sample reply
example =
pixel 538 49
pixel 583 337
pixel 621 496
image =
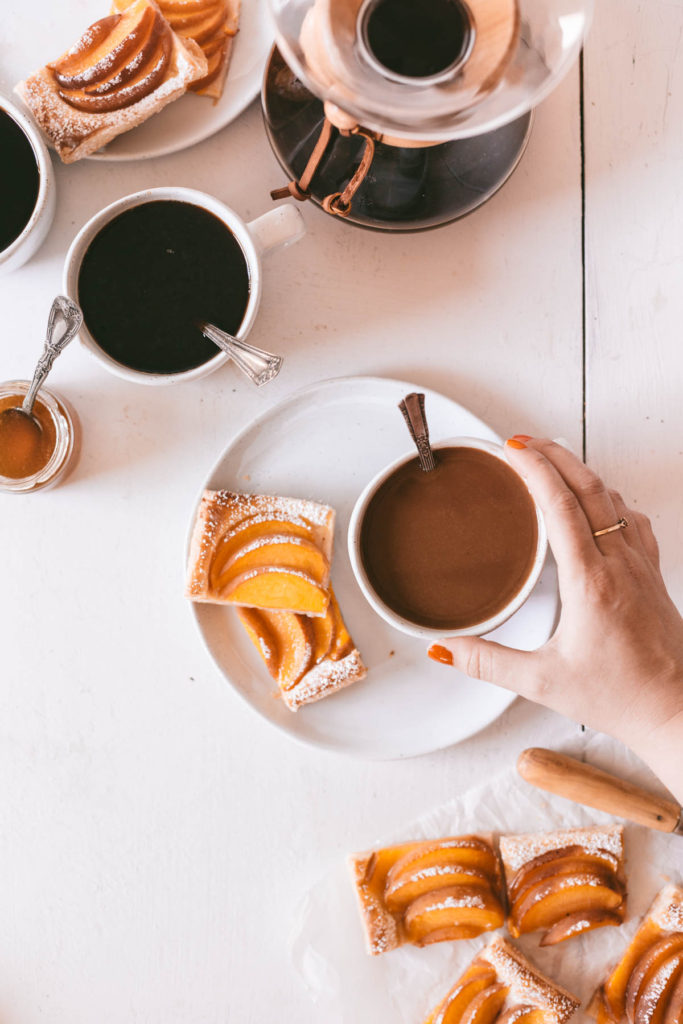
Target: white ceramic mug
pixel 277 228
pixel 34 233
pixel 387 613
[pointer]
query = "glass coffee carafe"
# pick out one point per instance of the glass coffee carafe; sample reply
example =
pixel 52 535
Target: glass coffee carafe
pixel 403 115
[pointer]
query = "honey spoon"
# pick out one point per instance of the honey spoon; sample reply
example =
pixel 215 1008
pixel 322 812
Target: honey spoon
pixel 413 409
pixel 259 366
pixel 65 312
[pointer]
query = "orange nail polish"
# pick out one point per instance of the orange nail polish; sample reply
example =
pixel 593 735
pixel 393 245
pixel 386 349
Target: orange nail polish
pixel 521 437
pixel 442 654
pixel 512 442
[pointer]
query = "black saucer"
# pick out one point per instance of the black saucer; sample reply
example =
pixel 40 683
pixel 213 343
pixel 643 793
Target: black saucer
pixel 405 189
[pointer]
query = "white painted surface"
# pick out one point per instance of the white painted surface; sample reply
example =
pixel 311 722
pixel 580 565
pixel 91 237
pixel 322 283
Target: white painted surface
pixel 155 834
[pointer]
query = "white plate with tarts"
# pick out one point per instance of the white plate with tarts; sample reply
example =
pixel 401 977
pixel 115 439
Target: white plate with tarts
pixel 326 442
pixel 41 32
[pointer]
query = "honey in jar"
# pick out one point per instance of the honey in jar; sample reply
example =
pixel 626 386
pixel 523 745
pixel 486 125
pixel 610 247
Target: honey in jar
pixel 34 451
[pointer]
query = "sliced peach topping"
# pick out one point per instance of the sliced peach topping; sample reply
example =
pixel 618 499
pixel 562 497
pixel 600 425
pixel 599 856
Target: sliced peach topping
pixel 278 549
pixel 466 905
pixel 262 636
pixel 405 887
pixel 486 1006
pixel 460 852
pixel 651 1003
pixel 613 992
pixel 323 634
pixel 544 904
pixel 522 1014
pixel 578 923
pixel 673 1013
pixel 254 528
pixel 341 643
pixel 476 979
pixel 648 966
pixel 554 862
pixel 278 589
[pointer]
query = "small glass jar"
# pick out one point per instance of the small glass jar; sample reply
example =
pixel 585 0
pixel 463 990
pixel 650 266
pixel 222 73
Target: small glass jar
pixel 61 419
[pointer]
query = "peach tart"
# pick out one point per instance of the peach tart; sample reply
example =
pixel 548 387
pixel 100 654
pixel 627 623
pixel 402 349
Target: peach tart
pixel 433 890
pixel 501 986
pixel 646 986
pixel 260 551
pixel 310 658
pixel 564 883
pixel 212 24
pixel 123 69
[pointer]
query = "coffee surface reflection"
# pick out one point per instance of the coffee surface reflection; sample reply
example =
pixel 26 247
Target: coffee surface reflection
pixel 451 548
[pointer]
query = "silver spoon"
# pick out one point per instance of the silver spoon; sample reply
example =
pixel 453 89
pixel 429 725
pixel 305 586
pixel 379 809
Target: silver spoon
pixel 413 409
pixel 259 366
pixel 65 314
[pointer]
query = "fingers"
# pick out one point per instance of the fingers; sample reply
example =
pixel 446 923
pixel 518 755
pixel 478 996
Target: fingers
pixel 594 497
pixel 569 531
pixel 514 670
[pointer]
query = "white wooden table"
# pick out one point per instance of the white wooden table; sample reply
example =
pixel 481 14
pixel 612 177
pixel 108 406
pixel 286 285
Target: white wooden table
pixel 155 835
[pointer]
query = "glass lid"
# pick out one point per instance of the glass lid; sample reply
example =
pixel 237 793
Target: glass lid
pixel 431 69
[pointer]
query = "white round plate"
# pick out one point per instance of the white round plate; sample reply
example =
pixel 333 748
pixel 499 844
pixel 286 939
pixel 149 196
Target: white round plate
pixel 42 31
pixel 325 443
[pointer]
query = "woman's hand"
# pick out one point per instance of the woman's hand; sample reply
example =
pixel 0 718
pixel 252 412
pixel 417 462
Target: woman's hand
pixel 615 661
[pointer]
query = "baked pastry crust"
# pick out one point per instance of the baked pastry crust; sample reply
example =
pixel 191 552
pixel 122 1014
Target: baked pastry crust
pixel 141 84
pixel 622 995
pixel 213 25
pixel 565 882
pixel 223 512
pixel 520 992
pixel 434 863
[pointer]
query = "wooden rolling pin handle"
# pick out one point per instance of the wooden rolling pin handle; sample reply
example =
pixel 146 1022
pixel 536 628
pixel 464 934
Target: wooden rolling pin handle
pixel 584 784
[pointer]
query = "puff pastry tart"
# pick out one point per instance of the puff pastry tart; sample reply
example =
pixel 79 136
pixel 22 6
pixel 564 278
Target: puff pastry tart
pixel 502 987
pixel 646 986
pixel 565 882
pixel 212 24
pixel 122 70
pixel 261 551
pixel 429 891
pixel 310 658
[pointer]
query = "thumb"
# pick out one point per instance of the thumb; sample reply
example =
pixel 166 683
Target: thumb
pixel 487 660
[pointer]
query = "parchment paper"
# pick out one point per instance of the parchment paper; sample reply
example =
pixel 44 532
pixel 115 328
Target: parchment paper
pixel 401 987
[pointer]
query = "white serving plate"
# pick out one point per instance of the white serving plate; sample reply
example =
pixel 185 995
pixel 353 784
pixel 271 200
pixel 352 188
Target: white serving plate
pixel 325 443
pixel 43 30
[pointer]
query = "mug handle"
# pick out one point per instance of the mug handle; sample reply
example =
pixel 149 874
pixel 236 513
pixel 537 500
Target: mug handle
pixel 276 229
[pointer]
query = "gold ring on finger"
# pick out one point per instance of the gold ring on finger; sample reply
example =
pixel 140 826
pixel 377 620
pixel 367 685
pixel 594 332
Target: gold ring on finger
pixel 620 525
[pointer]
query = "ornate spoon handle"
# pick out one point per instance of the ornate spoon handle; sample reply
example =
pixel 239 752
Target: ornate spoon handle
pixel 68 313
pixel 259 366
pixel 413 409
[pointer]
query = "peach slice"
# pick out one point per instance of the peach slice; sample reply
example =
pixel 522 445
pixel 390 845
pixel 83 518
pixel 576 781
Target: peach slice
pixel 278 549
pixel 454 933
pixel 522 1014
pixel 459 905
pixel 613 992
pixel 486 1006
pixel 323 634
pixel 401 890
pixel 648 965
pixel 654 995
pixel 544 904
pixel 295 643
pixel 202 27
pixel 106 39
pixel 262 636
pixel 549 863
pixel 451 1009
pixel 278 589
pixel 342 644
pixel 673 1013
pixel 143 39
pixel 459 851
pixel 250 529
pixel 379 864
pixel 576 924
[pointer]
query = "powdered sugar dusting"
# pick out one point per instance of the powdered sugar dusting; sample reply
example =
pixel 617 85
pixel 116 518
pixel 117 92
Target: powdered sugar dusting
pixel 325 678
pixel 520 849
pixel 667 909
pixel 527 984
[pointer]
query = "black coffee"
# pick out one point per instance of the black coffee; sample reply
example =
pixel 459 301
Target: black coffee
pixel 19 180
pixel 417 38
pixel 151 275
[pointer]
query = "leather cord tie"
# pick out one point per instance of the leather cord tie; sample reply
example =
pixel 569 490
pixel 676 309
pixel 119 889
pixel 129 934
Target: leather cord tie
pixel 338 203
